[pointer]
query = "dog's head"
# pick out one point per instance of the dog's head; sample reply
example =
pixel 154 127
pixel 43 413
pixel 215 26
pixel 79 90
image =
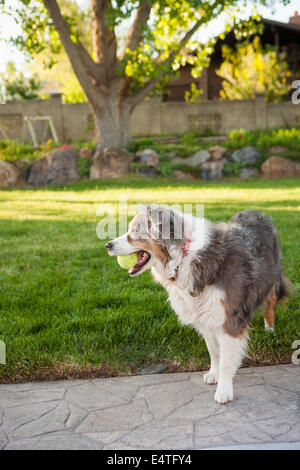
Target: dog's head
pixel 156 234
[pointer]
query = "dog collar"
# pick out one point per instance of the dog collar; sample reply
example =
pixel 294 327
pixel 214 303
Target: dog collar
pixel 185 252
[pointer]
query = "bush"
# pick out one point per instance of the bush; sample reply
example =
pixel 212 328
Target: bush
pixel 84 166
pixel 233 168
pixel 264 139
pixel 12 150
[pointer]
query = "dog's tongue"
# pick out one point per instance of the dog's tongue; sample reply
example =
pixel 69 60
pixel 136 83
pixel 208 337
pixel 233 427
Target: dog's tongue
pixel 142 258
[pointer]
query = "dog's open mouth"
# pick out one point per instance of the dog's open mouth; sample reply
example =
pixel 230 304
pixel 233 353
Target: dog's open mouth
pixel 144 257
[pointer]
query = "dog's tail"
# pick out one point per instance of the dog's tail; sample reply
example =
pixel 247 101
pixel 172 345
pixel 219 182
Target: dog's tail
pixel 284 288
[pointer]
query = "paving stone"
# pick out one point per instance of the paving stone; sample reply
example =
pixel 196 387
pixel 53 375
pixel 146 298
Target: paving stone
pixel 55 441
pixel 96 396
pixel 118 418
pixel 42 418
pixel 161 437
pixel 16 397
pixel 163 411
pixel 3 439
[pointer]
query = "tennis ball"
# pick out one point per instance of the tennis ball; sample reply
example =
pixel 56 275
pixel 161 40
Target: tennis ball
pixel 127 261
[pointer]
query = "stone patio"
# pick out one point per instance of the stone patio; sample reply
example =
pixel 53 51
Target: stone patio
pixel 167 411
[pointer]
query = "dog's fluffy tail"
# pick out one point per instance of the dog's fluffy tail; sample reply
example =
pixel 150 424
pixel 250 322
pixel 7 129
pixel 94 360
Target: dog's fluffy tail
pixel 285 288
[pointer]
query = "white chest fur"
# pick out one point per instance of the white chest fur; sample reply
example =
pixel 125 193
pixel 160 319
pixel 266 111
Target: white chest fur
pixel 205 312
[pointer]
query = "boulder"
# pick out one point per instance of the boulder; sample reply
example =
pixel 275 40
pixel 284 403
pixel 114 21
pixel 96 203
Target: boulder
pixel 60 167
pixel 86 153
pixel 182 175
pixel 247 173
pixel 248 155
pixel 9 174
pixel 110 162
pixel 212 170
pixel 277 150
pixel 217 152
pixel 278 167
pixel 195 160
pixel 148 171
pixel 148 157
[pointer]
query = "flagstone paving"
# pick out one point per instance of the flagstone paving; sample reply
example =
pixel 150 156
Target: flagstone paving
pixel 166 411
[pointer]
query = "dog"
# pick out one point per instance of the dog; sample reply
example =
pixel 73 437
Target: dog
pixel 216 275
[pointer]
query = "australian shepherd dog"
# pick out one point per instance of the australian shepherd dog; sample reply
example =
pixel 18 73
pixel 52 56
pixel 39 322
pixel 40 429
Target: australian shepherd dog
pixel 216 275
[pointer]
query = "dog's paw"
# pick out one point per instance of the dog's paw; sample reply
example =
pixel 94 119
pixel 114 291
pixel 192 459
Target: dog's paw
pixel 210 377
pixel 224 394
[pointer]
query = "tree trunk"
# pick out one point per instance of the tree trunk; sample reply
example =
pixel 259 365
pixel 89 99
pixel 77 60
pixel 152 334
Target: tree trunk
pixel 112 122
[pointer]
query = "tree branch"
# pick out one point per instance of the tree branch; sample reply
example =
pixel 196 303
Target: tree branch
pixel 104 40
pixel 135 33
pixel 143 92
pixel 72 49
pixel 148 87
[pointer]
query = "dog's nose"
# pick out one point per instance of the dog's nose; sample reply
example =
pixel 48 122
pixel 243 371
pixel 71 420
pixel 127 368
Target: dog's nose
pixel 109 245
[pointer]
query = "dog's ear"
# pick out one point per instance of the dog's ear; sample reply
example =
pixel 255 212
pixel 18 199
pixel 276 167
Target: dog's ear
pixel 164 223
pixel 142 207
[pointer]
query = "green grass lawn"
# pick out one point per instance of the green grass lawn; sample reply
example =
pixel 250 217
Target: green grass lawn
pixel 66 307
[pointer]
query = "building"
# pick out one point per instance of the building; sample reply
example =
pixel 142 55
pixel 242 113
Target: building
pixel 284 36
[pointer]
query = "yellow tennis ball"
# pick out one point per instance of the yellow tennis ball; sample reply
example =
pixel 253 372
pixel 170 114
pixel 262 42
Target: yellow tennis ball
pixel 128 261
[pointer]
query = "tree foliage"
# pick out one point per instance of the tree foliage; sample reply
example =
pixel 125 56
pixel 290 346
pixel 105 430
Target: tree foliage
pixel 16 86
pixel 253 69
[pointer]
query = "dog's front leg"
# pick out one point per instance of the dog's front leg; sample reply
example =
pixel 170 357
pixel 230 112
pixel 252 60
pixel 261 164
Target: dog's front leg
pixel 212 376
pixel 231 354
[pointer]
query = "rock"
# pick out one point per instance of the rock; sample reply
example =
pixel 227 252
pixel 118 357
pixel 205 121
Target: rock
pixel 195 160
pixel 217 152
pixel 148 171
pixel 247 155
pixel 24 165
pixel 278 167
pixel 60 167
pixel 182 175
pixel 148 157
pixel 9 174
pixel 277 150
pixel 153 369
pixel 199 157
pixel 212 170
pixel 110 162
pixel 247 173
pixel 86 153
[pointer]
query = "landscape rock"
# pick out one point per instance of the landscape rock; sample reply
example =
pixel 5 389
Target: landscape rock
pixel 278 167
pixel 9 174
pixel 277 150
pixel 247 173
pixel 148 157
pixel 148 171
pixel 195 160
pixel 247 155
pixel 110 162
pixel 217 152
pixel 212 170
pixel 153 369
pixel 60 167
pixel 86 153
pixel 182 175
pixel 24 165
